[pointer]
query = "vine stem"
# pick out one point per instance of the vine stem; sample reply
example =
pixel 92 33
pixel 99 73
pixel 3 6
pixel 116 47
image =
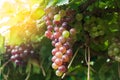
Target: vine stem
pixel 71 61
pixel 88 63
pixel 43 71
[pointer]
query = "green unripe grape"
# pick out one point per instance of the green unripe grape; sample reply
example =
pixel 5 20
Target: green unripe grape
pixel 57 17
pixel 101 32
pixel 79 17
pixel 94 28
pixel 96 34
pixel 116 50
pixel 65 34
pixel 99 27
pixel 114 44
pixel 62 13
pixel 117 58
pixel 110 53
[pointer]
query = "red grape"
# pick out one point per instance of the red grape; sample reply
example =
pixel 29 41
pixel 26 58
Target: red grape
pixel 54 58
pixel 62 68
pixel 65 58
pixel 59 54
pixel 56 35
pixel 62 49
pixel 48 34
pixel 54 51
pixel 58 45
pixel 50 27
pixel 58 61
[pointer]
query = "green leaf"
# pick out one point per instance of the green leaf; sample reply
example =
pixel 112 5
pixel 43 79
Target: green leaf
pixel 15 38
pixel 37 12
pixel 51 3
pixel 62 2
pixel 28 69
pixel 36 69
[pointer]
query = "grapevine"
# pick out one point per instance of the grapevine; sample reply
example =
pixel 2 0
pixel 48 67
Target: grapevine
pixel 59 40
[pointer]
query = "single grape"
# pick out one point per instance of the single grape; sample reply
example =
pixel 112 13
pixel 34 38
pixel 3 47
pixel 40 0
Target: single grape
pixel 62 68
pixel 46 18
pixel 48 34
pixel 57 17
pixel 79 17
pixel 101 32
pixel 17 62
pixel 116 50
pixel 62 49
pixel 59 73
pixel 58 45
pixel 65 58
pixel 50 27
pixel 53 43
pixel 56 28
pixel 65 25
pixel 69 52
pixel 48 22
pixel 14 51
pixel 65 34
pixel 57 35
pixel 58 61
pixel 72 31
pixel 67 45
pixel 56 22
pixel 25 52
pixel 12 58
pixel 54 51
pixel 62 39
pixel 54 66
pixel 54 58
pixel 32 52
pixel 59 54
pixel 61 29
pixel 62 13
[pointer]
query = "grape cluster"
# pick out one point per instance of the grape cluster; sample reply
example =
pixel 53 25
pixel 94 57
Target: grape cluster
pixel 95 27
pixel 114 51
pixel 19 54
pixel 61 33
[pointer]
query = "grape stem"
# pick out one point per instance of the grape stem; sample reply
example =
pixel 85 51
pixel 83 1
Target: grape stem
pixel 87 59
pixel 88 63
pixel 71 61
pixel 43 71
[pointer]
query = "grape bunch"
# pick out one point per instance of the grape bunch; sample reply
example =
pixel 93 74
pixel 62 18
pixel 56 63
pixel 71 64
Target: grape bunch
pixel 19 54
pixel 114 51
pixel 95 27
pixel 61 33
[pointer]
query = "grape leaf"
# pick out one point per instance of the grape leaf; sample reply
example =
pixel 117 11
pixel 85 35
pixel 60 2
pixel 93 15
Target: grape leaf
pixel 57 2
pixel 51 3
pixel 62 2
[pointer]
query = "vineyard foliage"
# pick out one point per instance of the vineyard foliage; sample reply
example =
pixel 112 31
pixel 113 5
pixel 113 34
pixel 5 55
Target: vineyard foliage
pixel 95 45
